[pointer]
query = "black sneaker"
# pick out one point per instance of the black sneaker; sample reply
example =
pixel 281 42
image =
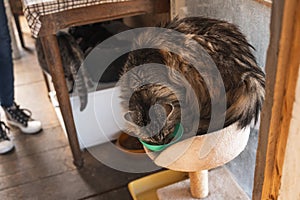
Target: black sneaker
pixel 21 118
pixel 6 145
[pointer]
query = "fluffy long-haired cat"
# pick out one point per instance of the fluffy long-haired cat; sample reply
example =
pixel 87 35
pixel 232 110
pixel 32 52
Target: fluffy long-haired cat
pixel 72 58
pixel 243 80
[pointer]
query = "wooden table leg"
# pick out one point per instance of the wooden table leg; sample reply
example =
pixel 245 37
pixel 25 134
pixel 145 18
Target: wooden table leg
pixel 51 49
pixel 47 83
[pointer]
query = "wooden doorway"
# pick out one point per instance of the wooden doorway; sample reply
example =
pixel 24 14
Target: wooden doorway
pixel 282 74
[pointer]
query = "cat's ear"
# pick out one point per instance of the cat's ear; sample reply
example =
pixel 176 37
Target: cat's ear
pixel 128 118
pixel 169 108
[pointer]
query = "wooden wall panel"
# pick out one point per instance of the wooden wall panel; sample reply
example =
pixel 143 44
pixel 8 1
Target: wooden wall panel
pixel 282 74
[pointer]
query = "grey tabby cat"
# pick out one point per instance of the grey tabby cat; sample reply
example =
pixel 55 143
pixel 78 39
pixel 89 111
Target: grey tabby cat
pixel 243 80
pixel 72 58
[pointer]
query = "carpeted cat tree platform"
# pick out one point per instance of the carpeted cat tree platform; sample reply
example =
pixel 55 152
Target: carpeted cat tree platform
pixel 197 155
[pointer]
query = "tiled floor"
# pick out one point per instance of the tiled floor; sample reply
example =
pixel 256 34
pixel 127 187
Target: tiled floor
pixel 41 166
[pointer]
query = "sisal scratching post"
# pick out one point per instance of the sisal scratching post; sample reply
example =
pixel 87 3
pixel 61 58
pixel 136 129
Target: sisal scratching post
pixel 199 184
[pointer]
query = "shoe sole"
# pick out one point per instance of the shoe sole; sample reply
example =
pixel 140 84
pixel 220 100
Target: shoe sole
pixel 7 149
pixel 22 129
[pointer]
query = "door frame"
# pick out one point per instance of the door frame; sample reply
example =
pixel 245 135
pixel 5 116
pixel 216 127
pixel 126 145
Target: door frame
pixel 282 69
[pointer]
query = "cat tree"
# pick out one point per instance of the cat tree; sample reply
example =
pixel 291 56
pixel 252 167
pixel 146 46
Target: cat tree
pixel 198 154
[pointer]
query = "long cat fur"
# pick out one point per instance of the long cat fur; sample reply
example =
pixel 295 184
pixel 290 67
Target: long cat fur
pixel 244 81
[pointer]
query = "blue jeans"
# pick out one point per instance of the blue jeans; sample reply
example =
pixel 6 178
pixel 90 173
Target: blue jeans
pixel 6 64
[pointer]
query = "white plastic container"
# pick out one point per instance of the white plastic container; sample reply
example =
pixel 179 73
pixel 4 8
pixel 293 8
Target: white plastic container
pixel 101 121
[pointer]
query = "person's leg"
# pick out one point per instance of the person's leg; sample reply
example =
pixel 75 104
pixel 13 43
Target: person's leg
pixel 14 114
pixel 6 78
pixel 6 64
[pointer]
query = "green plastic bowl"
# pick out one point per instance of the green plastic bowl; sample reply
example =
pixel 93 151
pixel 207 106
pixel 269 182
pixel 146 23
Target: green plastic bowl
pixel 178 132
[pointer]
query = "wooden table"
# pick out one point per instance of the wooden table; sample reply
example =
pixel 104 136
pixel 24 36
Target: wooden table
pixel 52 23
